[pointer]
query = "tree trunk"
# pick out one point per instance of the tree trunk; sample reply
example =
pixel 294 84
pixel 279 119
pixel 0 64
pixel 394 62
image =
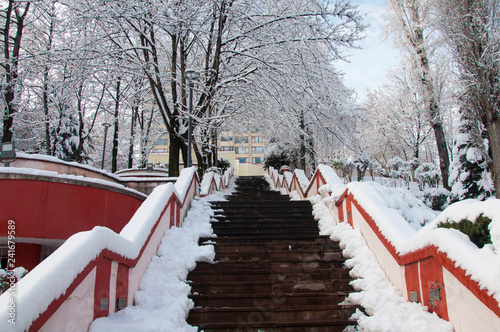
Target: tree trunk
pixel 428 85
pixel 444 159
pixel 135 112
pixel 11 64
pixel 302 142
pixel 493 127
pixel 173 155
pixel 114 156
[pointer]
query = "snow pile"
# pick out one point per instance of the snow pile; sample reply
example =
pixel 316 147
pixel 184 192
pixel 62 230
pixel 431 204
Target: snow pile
pixel 288 177
pixel 396 211
pixel 302 178
pixel 386 309
pixel 209 176
pixel 162 302
pixel 471 209
pixel 334 184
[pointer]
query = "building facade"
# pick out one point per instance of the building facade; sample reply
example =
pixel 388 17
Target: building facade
pixel 244 152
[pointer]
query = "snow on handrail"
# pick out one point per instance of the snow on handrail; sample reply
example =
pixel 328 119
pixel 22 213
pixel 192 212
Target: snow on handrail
pixel 50 280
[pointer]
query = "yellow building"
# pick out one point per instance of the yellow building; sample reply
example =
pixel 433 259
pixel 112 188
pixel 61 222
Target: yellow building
pixel 244 152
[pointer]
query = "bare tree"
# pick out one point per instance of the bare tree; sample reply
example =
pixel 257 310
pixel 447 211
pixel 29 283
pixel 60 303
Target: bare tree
pixel 398 123
pixel 409 20
pixel 472 28
pixel 14 15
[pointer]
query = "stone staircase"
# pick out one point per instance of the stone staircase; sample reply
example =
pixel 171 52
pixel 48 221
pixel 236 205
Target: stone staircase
pixel 273 272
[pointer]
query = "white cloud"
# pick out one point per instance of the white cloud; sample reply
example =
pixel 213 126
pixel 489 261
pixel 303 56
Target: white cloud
pixel 367 67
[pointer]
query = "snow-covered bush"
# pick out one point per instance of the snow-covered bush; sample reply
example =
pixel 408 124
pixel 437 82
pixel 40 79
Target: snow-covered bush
pixel 277 155
pixel 436 198
pixel 223 165
pixel 477 230
pixel 6 277
pixel 376 168
pixel 362 163
pixel 345 167
pixel 427 174
pixel 399 169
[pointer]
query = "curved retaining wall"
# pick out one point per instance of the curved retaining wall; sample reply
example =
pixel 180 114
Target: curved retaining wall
pixel 48 206
pixel 137 179
pixel 95 272
pixel 427 274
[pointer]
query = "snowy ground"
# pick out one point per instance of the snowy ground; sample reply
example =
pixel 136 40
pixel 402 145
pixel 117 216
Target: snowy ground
pixel 162 302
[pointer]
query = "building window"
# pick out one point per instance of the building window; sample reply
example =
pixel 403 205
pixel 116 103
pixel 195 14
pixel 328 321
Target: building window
pixel 46 251
pixel 241 139
pixel 160 151
pixel 258 149
pixel 257 160
pixel 162 141
pixel 4 256
pixel 240 150
pixel 225 148
pixel 257 139
pixel 226 138
pixel 243 160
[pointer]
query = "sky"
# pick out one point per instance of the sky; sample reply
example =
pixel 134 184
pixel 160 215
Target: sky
pixel 367 66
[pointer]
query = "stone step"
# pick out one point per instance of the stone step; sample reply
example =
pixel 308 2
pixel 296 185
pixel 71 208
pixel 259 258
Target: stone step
pixel 268 231
pixel 263 204
pixel 246 287
pixel 271 315
pixel 256 326
pixel 267 237
pixel 305 256
pixel 252 275
pixel 270 266
pixel 268 299
pixel 265 222
pixel 319 242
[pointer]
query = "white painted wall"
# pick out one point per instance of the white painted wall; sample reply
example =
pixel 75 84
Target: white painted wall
pixel 465 310
pixel 392 269
pixel 77 312
pixel 151 249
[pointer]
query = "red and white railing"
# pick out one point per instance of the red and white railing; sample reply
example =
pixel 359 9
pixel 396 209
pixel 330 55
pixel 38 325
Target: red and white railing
pixel 440 268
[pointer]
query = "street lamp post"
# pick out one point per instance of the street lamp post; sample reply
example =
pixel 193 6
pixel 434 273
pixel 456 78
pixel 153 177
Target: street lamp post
pixel 191 76
pixel 106 126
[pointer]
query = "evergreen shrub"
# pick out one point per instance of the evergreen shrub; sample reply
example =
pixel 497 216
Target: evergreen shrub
pixel 477 231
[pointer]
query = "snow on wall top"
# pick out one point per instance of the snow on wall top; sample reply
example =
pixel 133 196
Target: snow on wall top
pixel 302 178
pixel 288 177
pixel 397 214
pixel 69 163
pixel 81 178
pixel 334 184
pixel 206 182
